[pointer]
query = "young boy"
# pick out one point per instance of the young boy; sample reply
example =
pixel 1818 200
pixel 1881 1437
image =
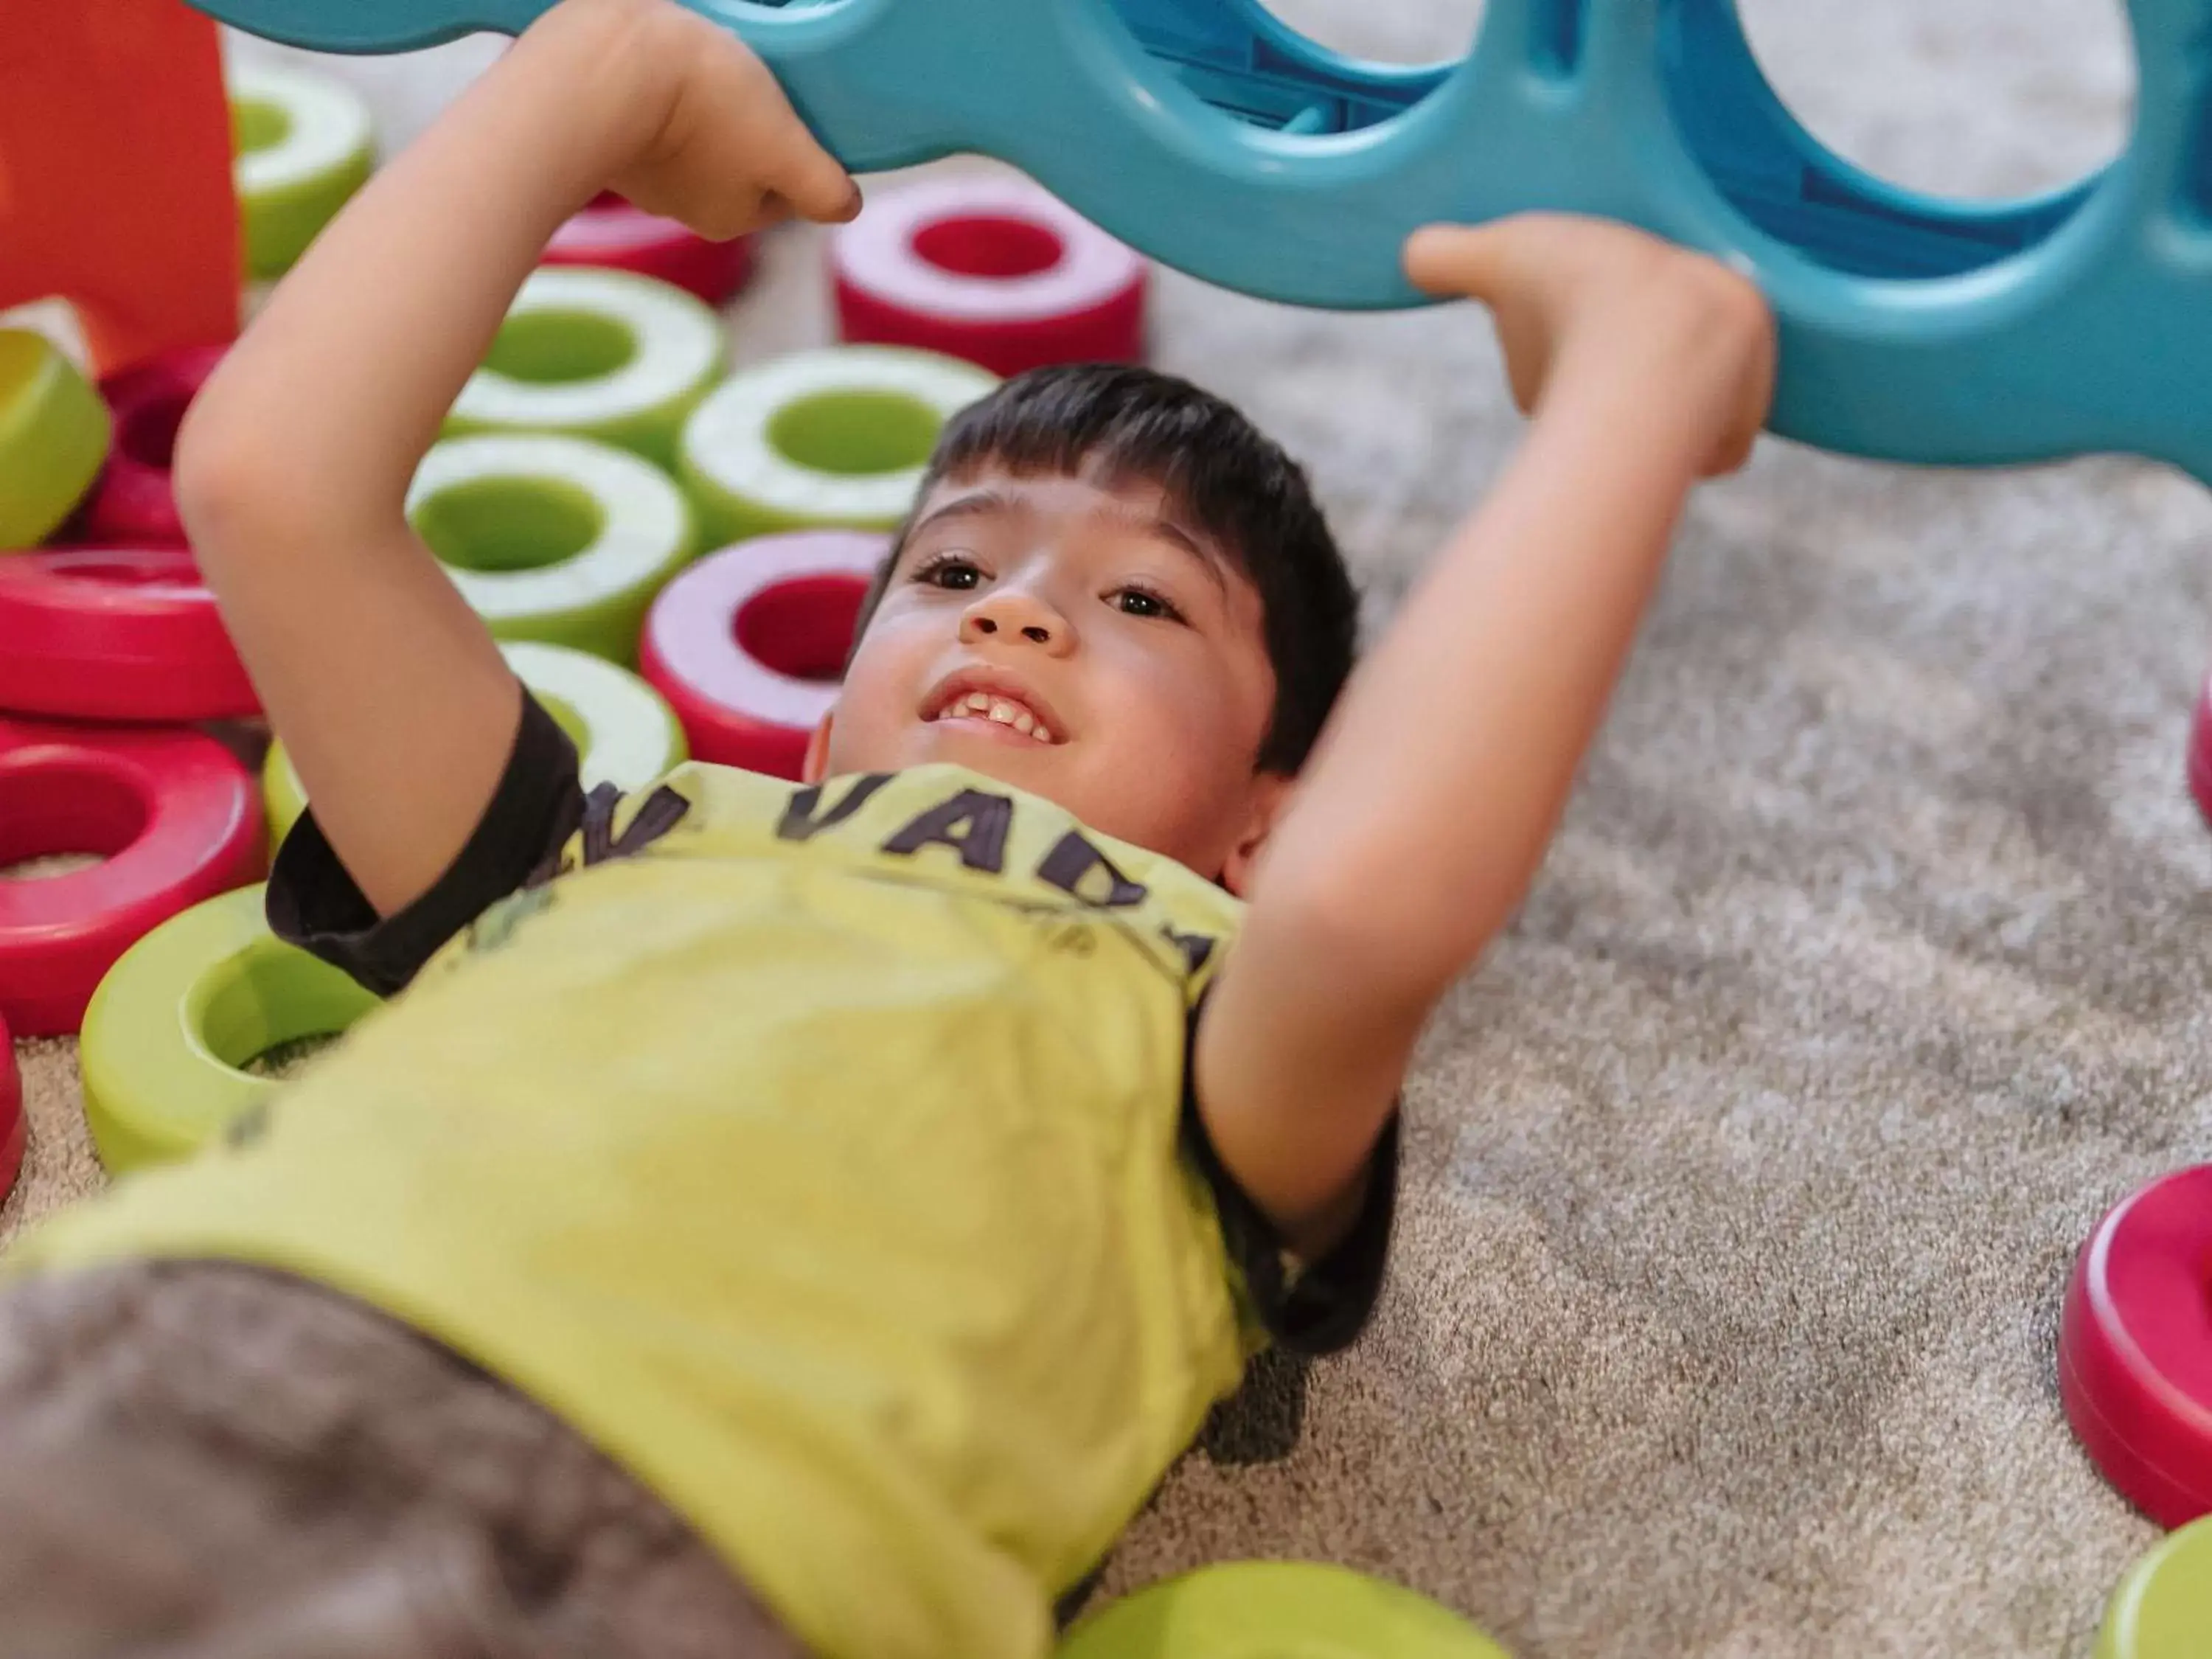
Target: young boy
pixel 809 1219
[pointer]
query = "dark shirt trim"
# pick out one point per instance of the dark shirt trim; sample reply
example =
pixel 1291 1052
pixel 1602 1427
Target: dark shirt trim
pixel 314 902
pixel 1325 1307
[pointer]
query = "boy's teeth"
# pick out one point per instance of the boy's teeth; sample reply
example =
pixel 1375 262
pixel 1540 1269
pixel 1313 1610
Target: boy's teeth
pixel 1004 711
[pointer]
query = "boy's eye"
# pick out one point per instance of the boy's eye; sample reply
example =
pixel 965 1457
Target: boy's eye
pixel 1143 602
pixel 951 570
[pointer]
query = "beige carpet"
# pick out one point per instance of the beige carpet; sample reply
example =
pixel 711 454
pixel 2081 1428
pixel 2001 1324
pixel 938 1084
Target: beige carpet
pixel 1870 966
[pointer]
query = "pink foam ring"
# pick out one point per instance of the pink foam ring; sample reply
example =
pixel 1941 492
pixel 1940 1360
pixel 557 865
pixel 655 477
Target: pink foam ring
pixel 993 270
pixel 134 503
pixel 178 817
pixel 2135 1347
pixel 612 234
pixel 748 644
pixel 2200 754
pixel 14 1132
pixel 116 634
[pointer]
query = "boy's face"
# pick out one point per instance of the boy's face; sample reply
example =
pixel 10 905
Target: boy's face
pixel 1076 642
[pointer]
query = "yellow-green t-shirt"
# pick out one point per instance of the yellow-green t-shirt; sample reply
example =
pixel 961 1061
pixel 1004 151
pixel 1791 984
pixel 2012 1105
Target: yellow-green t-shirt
pixel 823 1154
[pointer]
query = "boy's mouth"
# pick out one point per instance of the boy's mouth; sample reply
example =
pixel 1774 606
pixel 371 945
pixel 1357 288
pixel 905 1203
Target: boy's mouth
pixel 996 704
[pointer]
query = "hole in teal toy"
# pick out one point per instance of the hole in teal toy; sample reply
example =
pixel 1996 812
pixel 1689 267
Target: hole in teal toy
pixel 1438 31
pixel 802 628
pixel 508 523
pixel 1761 100
pixel 1269 68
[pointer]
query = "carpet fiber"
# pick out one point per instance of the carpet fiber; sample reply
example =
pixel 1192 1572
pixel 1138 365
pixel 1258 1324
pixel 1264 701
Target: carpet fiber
pixel 1869 967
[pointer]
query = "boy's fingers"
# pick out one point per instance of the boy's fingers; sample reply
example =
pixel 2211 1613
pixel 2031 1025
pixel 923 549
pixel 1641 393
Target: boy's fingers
pixel 1456 259
pixel 813 181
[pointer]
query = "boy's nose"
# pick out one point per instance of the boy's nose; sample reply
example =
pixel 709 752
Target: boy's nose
pixel 1008 614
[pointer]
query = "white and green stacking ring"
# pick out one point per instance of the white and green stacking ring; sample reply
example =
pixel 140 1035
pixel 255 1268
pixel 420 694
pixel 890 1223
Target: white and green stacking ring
pixel 54 434
pixel 183 1012
pixel 557 539
pixel 596 354
pixel 305 145
pixel 821 439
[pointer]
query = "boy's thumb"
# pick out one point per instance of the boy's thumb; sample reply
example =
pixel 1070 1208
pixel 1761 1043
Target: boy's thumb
pixel 1453 260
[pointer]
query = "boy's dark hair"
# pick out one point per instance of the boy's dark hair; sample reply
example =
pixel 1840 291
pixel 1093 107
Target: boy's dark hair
pixel 1232 483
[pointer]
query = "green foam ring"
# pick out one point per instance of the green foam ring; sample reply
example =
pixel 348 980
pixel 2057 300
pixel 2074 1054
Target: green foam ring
pixel 305 143
pixel 183 1012
pixel 624 730
pixel 605 354
pixel 557 539
pixel 1276 1610
pixel 834 439
pixel 2163 1608
pixel 54 435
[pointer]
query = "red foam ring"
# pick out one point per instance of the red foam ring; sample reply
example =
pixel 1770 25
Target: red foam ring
pixel 117 633
pixel 179 817
pixel 134 501
pixel 993 270
pixel 2200 754
pixel 14 1130
pixel 748 644
pixel 2135 1347
pixel 612 235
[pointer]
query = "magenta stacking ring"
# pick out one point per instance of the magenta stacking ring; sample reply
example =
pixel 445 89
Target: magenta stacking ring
pixel 749 644
pixel 134 503
pixel 992 270
pixel 116 634
pixel 612 234
pixel 2135 1347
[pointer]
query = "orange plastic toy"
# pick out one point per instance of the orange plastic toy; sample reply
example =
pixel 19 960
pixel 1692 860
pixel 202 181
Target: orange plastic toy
pixel 115 173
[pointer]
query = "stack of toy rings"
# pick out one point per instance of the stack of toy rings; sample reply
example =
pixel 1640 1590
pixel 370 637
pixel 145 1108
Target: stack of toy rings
pixel 748 644
pixel 989 268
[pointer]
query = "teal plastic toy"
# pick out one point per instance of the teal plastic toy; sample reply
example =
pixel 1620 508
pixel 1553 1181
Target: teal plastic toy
pixel 1210 136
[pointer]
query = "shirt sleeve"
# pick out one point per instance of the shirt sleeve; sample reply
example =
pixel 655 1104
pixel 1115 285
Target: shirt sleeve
pixel 314 902
pixel 1322 1307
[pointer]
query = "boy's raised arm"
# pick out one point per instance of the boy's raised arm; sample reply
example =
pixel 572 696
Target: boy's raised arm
pixel 1426 809
pixel 294 463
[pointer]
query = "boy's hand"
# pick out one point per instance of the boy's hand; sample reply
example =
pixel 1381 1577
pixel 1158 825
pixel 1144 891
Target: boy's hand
pixel 1577 297
pixel 726 155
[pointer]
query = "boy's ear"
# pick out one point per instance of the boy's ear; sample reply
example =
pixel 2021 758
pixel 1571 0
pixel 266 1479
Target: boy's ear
pixel 1271 793
pixel 817 766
